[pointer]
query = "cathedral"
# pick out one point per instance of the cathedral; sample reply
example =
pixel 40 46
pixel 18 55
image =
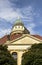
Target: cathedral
pixel 19 40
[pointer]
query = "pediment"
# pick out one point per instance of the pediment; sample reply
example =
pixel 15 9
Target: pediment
pixel 26 39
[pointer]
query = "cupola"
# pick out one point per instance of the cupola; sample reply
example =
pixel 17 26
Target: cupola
pixel 19 27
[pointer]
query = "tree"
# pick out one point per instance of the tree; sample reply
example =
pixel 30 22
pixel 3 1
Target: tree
pixel 5 56
pixel 33 56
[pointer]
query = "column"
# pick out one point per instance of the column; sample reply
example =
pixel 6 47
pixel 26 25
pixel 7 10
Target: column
pixel 19 58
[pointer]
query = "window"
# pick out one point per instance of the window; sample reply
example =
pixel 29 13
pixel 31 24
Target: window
pixel 18 26
pixel 14 54
pixel 15 26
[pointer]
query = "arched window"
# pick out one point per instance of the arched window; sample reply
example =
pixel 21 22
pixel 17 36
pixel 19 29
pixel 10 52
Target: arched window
pixel 14 54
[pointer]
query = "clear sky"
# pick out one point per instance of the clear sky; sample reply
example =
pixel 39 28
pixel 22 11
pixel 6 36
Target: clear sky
pixel 29 11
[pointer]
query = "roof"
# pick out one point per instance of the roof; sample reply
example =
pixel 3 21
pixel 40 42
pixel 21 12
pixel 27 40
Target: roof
pixel 38 36
pixel 18 22
pixel 9 38
pixel 3 39
pixel 26 31
pixel 15 36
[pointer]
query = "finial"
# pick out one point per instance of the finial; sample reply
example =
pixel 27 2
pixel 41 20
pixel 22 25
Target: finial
pixel 18 17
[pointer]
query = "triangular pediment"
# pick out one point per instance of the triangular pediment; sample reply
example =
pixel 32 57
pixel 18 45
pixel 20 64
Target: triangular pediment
pixel 25 39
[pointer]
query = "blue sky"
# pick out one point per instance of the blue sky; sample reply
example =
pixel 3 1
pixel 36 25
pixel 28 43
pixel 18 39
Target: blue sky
pixel 29 11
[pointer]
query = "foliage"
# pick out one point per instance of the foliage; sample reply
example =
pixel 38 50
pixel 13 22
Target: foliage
pixel 33 56
pixel 5 56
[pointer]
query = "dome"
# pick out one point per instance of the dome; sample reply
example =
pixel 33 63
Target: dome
pixel 19 27
pixel 18 22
